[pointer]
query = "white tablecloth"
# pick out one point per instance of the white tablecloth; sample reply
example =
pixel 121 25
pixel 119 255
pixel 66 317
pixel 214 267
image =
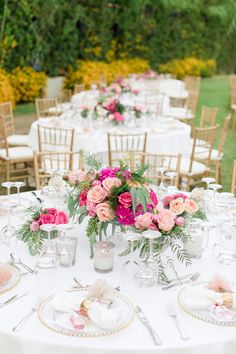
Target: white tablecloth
pixel 166 136
pixel 34 338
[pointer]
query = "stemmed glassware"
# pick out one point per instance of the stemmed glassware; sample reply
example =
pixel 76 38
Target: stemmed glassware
pixel 171 189
pixel 48 258
pixel 8 185
pixel 8 232
pixel 161 189
pixel 215 187
pixel 66 258
pixel 130 267
pixel 208 181
pixel 22 203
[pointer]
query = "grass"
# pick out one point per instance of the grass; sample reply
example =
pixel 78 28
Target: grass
pixel 214 93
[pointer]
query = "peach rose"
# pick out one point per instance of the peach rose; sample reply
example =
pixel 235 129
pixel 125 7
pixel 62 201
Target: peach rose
pixel 111 182
pixel 177 206
pixel 96 194
pixel 104 212
pixel 166 220
pixel 145 221
pixel 190 206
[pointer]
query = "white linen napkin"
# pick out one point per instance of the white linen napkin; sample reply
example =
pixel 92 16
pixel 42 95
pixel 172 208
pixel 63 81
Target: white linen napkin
pixel 201 298
pixel 106 318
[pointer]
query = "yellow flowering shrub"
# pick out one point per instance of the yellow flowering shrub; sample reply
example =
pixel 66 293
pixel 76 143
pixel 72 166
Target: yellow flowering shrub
pixel 27 83
pixel 6 90
pixel 189 66
pixel 90 71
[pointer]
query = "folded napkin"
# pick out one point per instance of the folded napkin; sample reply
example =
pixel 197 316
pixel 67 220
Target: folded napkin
pixel 71 321
pixel 62 302
pixel 106 318
pixel 201 298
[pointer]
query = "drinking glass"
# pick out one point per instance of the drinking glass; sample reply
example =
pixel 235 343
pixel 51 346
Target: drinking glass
pixel 215 187
pixel 8 232
pixel 161 189
pixel 48 258
pixel 130 267
pixel 208 181
pixel 171 189
pixel 66 246
pixel 22 203
pixel 8 185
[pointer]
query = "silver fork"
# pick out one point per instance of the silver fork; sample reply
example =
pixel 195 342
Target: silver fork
pixel 190 280
pixel 81 284
pixel 21 323
pixel 171 311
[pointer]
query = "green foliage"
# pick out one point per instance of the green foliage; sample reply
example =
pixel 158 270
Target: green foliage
pixel 51 35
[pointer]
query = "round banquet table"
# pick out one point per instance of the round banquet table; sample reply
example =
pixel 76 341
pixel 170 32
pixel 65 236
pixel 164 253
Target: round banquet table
pixel 167 136
pixel 35 338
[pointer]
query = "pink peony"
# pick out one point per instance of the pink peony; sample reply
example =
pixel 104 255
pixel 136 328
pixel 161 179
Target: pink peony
pixel 96 183
pixel 166 200
pixel 111 182
pixel 153 197
pixel 135 91
pixel 104 212
pixel 108 172
pixel 125 216
pixel 117 89
pixel 118 117
pixel 61 218
pixel 145 221
pixel 34 226
pixel 96 194
pixel 83 197
pixel 180 221
pixel 111 105
pixel 47 218
pixel 126 174
pixel 51 211
pixel 91 207
pixel 166 220
pixel 177 206
pixel 190 206
pixel 125 199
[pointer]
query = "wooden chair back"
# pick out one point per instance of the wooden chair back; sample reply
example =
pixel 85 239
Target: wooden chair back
pixel 192 83
pixel 64 96
pixel 3 135
pixel 233 184
pixel 223 135
pixel 46 107
pixel 7 115
pixel 192 102
pixel 208 117
pixel 52 139
pixel 78 88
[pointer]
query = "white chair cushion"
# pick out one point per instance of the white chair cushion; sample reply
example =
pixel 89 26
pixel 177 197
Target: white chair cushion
pixel 180 113
pixel 201 153
pixel 18 140
pixel 197 167
pixel 17 153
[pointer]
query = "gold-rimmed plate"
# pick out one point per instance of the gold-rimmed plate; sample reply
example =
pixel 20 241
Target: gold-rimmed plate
pixel 47 315
pixel 205 315
pixel 14 279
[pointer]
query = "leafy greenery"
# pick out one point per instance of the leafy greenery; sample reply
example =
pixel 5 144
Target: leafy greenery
pixel 52 34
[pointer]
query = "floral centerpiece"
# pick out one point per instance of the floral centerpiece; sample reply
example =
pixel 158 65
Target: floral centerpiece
pixel 120 86
pixel 138 110
pixel 84 111
pixel 111 108
pixel 30 232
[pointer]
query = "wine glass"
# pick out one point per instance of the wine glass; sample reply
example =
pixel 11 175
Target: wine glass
pixel 215 187
pixel 151 235
pixel 130 267
pixel 8 232
pixel 64 255
pixel 8 185
pixel 22 203
pixel 47 260
pixel 161 189
pixel 171 189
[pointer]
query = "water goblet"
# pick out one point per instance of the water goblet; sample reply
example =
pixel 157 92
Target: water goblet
pixel 151 235
pixel 8 185
pixel 47 260
pixel 8 232
pixel 215 187
pixel 66 256
pixel 171 189
pixel 22 203
pixel 130 267
pixel 161 189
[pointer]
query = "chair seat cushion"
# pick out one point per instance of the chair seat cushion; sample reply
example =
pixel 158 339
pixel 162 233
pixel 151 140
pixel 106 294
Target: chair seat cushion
pixel 18 140
pixel 197 167
pixel 180 113
pixel 17 153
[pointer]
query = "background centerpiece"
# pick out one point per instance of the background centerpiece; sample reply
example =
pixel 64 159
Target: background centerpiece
pixel 111 108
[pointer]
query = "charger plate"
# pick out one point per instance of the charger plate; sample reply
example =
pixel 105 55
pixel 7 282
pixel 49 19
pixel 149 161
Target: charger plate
pixel 13 281
pixel 205 315
pixel 46 316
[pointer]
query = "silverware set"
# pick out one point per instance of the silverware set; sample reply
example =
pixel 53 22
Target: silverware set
pixel 22 322
pixel 13 298
pixel 14 260
pixel 143 318
pixel 182 281
pixel 80 284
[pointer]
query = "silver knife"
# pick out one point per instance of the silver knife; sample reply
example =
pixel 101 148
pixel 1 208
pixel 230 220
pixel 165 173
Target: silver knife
pixel 156 339
pixel 12 299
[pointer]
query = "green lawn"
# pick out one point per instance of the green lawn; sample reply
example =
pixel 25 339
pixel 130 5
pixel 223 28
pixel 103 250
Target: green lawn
pixel 215 93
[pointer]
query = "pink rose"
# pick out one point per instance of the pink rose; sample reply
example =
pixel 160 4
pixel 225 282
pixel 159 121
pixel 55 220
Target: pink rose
pixel 166 220
pixel 111 182
pixel 180 221
pixel 51 211
pixel 145 221
pixel 153 197
pixel 96 194
pixel 83 197
pixel 47 218
pixel 119 117
pixel 118 89
pixel 96 183
pixel 177 206
pixel 104 212
pixel 125 199
pixel 34 226
pixel 135 91
pixel 77 176
pixel 190 206
pixel 61 218
pixel 91 207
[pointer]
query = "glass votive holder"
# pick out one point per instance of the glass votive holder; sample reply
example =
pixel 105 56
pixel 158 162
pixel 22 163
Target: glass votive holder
pixel 103 256
pixel 66 251
pixel 195 245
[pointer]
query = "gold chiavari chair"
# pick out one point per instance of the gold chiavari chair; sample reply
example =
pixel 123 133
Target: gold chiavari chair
pixel 155 162
pixel 233 108
pixel 52 139
pixel 47 107
pixel 120 145
pixel 78 88
pixel 208 117
pixel 194 168
pixel 64 96
pixel 233 184
pixel 46 162
pixel 12 138
pixel 192 83
pixel 16 158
